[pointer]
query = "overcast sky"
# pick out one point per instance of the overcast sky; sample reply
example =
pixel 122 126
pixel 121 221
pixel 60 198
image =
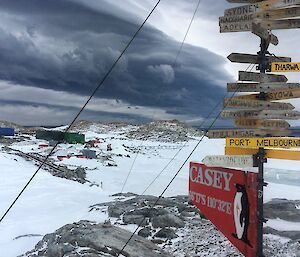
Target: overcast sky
pixel 54 52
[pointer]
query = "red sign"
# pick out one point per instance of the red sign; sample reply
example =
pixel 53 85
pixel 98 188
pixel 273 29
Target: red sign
pixel 228 198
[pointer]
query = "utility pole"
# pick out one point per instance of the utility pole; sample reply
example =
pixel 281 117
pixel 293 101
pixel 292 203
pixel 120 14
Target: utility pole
pixel 260 158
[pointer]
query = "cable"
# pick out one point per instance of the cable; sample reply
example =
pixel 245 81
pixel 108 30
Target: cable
pixel 173 178
pixel 83 107
pixel 174 63
pixel 131 167
pixel 188 30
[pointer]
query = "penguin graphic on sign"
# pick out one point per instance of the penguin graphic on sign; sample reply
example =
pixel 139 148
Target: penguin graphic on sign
pixel 241 214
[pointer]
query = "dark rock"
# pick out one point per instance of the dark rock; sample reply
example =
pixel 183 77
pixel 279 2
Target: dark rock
pixel 295 235
pixel 283 209
pixel 85 238
pixel 115 211
pixel 145 232
pixel 148 212
pixel 166 233
pixel 185 214
pixel 157 241
pixel 135 219
pixel 167 220
pixel 128 194
pixel 118 208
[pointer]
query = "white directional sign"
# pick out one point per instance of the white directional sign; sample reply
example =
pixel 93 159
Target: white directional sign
pixel 261 77
pixel 223 133
pixel 254 58
pixel 261 6
pixel 235 102
pixel 265 114
pixel 261 87
pixel 241 161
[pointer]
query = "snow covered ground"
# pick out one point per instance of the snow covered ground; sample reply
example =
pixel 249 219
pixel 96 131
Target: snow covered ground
pixel 51 202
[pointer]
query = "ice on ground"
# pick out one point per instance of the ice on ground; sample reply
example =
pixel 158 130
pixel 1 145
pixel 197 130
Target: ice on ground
pixel 50 202
pixel 283 225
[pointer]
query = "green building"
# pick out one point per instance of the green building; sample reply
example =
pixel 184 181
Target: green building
pixel 74 138
pixel 50 135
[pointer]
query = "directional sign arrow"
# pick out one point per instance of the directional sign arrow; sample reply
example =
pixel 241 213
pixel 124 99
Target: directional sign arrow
pixel 261 6
pixel 273 95
pixel 282 24
pixel 283 94
pixel 252 58
pixel 278 13
pixel 236 26
pixel 241 26
pixel 229 161
pixel 264 124
pixel 265 114
pixel 263 33
pixel 285 67
pixel 261 77
pixel 261 87
pixel 235 102
pixel 270 153
pixel 223 133
pixel 269 142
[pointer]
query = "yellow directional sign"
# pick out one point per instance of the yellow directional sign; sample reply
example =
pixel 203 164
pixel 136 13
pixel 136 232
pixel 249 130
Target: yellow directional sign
pixel 268 142
pixel 285 67
pixel 281 94
pixel 270 153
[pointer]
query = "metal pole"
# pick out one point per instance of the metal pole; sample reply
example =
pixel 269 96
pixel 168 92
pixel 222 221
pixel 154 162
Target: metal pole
pixel 261 159
pixel 260 201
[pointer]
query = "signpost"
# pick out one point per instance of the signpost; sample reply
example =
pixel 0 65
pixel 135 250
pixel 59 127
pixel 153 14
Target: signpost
pixel 229 161
pixel 278 13
pixel 261 87
pixel 227 197
pixel 240 26
pixel 261 77
pixel 271 142
pixel 282 24
pixel 273 95
pixel 260 6
pixel 267 124
pixel 285 67
pixel 269 153
pixel 263 127
pixel 223 133
pixel 265 114
pixel 256 104
pixel 252 58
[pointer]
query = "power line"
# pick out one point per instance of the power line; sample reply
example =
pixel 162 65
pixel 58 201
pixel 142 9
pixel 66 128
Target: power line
pixel 174 63
pixel 188 30
pixel 83 107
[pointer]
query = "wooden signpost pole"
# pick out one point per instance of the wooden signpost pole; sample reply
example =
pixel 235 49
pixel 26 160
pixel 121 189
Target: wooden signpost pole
pixel 261 160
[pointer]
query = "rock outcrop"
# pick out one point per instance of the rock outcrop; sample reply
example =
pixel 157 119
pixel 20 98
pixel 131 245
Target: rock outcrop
pixel 87 239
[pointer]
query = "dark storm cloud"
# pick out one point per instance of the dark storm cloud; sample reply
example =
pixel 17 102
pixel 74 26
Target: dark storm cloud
pixel 67 46
pixel 66 114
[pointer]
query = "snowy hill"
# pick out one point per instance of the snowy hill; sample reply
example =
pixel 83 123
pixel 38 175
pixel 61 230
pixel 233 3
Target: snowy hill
pixel 146 155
